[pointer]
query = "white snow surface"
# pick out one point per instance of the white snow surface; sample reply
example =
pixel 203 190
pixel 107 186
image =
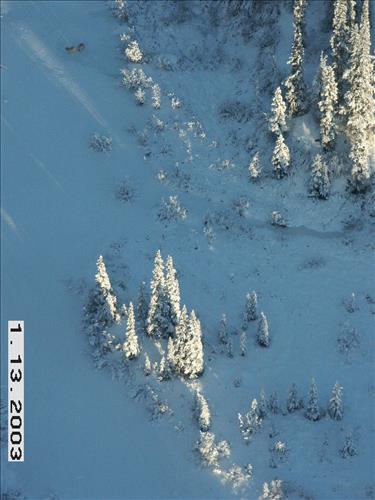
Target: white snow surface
pixel 89 436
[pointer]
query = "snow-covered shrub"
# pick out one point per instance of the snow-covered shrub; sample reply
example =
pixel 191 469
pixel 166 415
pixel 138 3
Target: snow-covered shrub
pixel 272 491
pixel 119 9
pixel 335 406
pixel 125 191
pixel 351 304
pixel 235 110
pixel 156 96
pixel 230 348
pixel 349 449
pixel 278 220
pixel 176 103
pixel 243 344
pixel 250 422
pixel 348 339
pixel 133 52
pixel 241 206
pixel 312 409
pixel 210 451
pixel 101 143
pixel 223 333
pixel 238 476
pixel 262 405
pixel 157 123
pixel 140 96
pixel 320 184
pixel 147 369
pixel 263 337
pixel 255 168
pixel 135 78
pixel 202 412
pixel 280 450
pixel 171 210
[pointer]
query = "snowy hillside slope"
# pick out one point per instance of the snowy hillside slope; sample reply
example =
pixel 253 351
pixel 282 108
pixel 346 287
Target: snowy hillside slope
pixel 88 436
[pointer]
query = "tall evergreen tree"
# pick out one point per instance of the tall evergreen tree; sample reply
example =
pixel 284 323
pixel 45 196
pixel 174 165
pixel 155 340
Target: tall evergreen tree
pixel 108 311
pixel 295 85
pixel 181 335
pixel 223 333
pixel 360 102
pixel 263 337
pixel 172 292
pixel 340 41
pixel 158 313
pixel 335 407
pixel 251 308
pixel 320 183
pixel 194 364
pixel 277 121
pixel 280 157
pixel 131 347
pixel 328 96
pixel 312 410
pixel 293 403
pixel 142 305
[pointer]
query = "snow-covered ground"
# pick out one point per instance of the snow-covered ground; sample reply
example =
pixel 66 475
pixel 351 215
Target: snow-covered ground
pixel 88 436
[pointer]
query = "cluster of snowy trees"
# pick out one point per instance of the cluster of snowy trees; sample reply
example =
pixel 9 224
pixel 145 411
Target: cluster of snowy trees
pixel 345 97
pixel 251 421
pixel 251 314
pixel 160 318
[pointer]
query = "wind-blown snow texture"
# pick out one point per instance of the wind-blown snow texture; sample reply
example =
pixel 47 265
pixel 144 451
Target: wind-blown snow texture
pixel 64 204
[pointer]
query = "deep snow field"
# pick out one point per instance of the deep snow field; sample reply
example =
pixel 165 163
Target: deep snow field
pixel 90 433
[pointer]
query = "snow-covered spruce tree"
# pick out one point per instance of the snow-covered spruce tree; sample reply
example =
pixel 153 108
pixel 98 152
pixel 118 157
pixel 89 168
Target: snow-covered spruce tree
pixel 255 168
pixel 181 339
pixel 188 348
pixel 335 406
pixel 210 451
pixel 340 41
pixel 360 102
pixel 320 184
pixel 164 372
pixel 109 312
pixel 194 364
pixel 327 104
pixel 243 344
pixel 202 412
pixel 263 337
pixel 312 410
pixel 250 423
pixel 147 369
pixel 170 354
pixel 142 305
pixel 262 405
pixel 251 308
pixel 295 85
pixel 172 290
pixel 272 491
pixel 223 334
pixel 277 121
pixel 158 323
pixel 293 403
pixel 273 403
pixel 349 449
pixel 131 347
pixel 280 157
